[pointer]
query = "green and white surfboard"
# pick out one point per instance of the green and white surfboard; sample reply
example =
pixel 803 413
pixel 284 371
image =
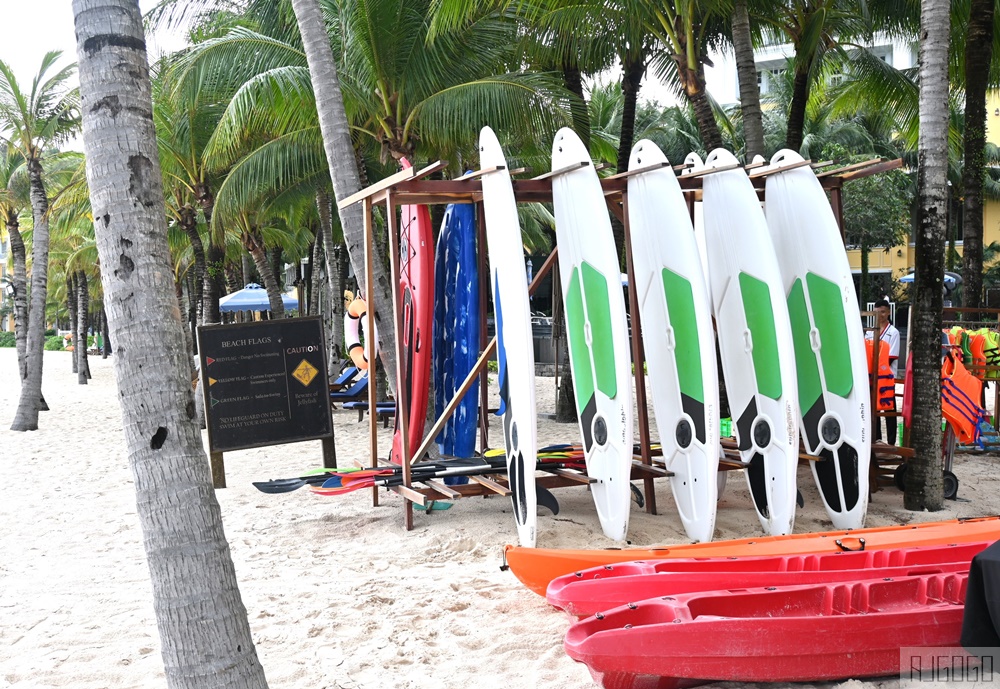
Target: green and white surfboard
pixel 677 336
pixel 597 329
pixel 829 341
pixel 515 355
pixel 755 340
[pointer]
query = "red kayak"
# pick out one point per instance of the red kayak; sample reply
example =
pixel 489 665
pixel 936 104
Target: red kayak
pixel 416 289
pixel 602 588
pixel 814 633
pixel 536 567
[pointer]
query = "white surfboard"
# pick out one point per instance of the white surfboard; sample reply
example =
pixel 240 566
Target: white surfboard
pixel 755 340
pixel 677 336
pixel 829 341
pixel 515 356
pixel 597 329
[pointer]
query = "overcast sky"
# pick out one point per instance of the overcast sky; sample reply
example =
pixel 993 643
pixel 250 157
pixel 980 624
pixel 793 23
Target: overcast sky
pixel 32 28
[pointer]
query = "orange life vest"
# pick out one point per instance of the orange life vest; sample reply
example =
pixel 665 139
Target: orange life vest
pixel 960 393
pixel 885 392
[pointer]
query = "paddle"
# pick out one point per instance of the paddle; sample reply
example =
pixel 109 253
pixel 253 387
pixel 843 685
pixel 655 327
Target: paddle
pixel 286 485
pixel 336 485
pixel 565 452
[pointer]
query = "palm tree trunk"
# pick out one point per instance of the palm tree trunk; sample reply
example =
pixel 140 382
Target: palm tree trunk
pixel 573 80
pixel 866 289
pixel 924 490
pixel 254 245
pixel 978 56
pixel 797 109
pixel 204 632
pixel 330 257
pixel 632 71
pixel 80 350
pixel 344 171
pixel 20 277
pixel 693 82
pixel 72 300
pixel 214 266
pixel 314 273
pixel 189 223
pixel 106 349
pixel 26 416
pixel 746 69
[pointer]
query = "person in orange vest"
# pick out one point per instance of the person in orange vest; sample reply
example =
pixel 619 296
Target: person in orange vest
pixel 889 337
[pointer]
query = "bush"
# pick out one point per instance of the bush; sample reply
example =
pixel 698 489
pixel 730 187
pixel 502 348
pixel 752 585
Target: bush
pixel 50 332
pixel 54 344
pixel 7 339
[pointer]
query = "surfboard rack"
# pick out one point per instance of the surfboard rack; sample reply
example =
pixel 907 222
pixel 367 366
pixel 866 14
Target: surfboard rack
pixel 411 186
pixel 561 171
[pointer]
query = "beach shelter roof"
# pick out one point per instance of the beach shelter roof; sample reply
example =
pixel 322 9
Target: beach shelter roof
pixel 253 297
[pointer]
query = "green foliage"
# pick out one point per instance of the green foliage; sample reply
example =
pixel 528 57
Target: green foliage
pixel 877 209
pixel 54 344
pixel 50 332
pixel 7 339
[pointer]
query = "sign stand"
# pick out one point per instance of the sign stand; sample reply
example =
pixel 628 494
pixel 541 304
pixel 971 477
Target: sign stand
pixel 265 383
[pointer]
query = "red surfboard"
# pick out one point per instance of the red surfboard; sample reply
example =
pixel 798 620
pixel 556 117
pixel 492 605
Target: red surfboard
pixel 416 289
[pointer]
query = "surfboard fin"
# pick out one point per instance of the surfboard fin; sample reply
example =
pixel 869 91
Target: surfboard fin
pixel 545 498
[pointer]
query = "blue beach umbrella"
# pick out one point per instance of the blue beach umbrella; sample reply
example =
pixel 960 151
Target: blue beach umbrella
pixel 253 297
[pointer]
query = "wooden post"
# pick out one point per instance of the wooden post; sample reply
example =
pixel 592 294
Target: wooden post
pixel 638 361
pixel 218 469
pixel 837 204
pixel 370 343
pixel 330 452
pixel 484 286
pixel 402 394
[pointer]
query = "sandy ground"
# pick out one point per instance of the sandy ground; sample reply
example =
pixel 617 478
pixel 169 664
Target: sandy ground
pixel 338 594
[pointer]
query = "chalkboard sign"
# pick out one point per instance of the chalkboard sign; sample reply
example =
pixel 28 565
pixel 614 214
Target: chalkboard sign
pixel 265 383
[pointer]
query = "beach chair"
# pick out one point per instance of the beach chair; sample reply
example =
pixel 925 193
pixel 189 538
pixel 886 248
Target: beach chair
pixel 354 391
pixel 344 379
pixel 384 410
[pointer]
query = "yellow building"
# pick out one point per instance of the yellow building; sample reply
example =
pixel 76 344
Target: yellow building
pixel 899 260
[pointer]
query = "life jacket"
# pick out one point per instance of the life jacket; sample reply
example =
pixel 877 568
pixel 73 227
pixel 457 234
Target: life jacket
pixel 977 343
pixel 992 351
pixel 960 393
pixel 885 390
pixel 963 342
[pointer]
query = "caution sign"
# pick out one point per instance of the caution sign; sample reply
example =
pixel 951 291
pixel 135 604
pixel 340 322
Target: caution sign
pixel 305 373
pixel 264 383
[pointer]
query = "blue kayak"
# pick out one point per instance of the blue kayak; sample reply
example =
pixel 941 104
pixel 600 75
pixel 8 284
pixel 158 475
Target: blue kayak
pixel 456 328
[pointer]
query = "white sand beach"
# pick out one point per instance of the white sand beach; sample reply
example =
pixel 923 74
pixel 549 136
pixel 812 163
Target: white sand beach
pixel 339 595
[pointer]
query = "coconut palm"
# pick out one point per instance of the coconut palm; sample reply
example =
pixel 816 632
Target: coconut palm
pixel 189 558
pixel 31 120
pixel 978 58
pixel 13 201
pixel 924 488
pixel 746 69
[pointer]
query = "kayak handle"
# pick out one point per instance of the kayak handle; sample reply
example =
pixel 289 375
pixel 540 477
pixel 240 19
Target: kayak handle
pixel 848 549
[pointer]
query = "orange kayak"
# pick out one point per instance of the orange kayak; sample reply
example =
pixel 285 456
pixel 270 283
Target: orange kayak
pixel 536 567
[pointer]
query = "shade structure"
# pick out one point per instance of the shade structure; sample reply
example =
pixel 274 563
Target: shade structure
pixel 950 279
pixel 253 297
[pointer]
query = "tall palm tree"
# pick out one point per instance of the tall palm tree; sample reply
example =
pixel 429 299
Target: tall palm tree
pixel 189 558
pixel 924 488
pixel 687 29
pixel 32 120
pixel 746 69
pixel 978 58
pixel 814 28
pixel 13 200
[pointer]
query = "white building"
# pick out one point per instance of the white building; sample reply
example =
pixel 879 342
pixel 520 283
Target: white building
pixel 724 86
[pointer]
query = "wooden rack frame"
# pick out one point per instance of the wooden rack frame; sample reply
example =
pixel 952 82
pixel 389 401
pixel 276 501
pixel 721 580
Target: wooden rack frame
pixel 410 186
